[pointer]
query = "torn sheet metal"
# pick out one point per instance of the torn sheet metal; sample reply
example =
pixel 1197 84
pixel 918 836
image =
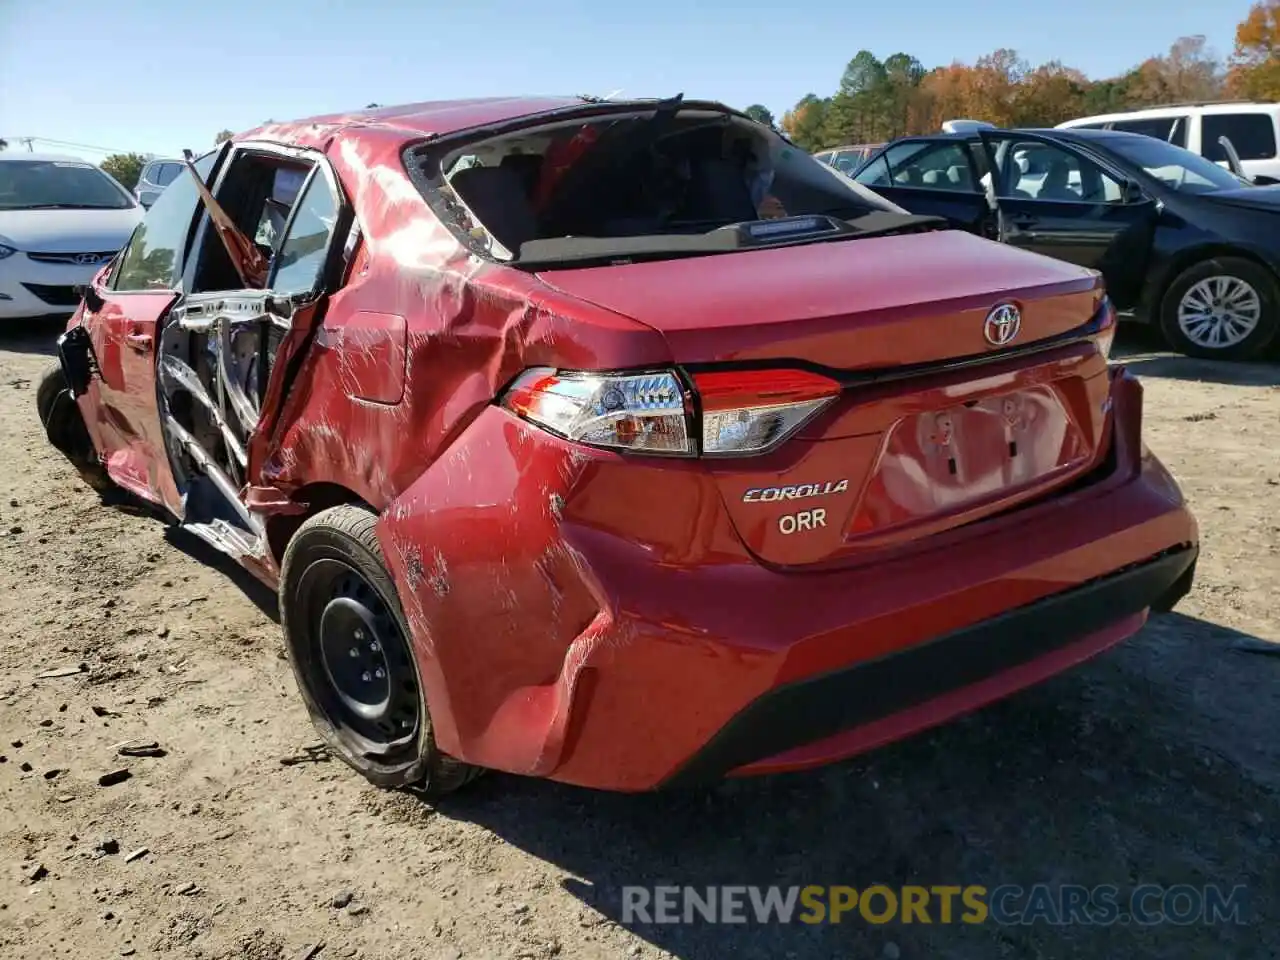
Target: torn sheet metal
pixel 469 326
pixel 211 367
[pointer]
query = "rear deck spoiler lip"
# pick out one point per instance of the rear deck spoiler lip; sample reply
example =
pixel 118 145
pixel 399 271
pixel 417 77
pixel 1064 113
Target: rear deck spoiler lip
pixel 862 378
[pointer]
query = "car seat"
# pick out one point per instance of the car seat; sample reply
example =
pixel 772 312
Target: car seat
pixel 1055 185
pixel 959 177
pixel 528 166
pixel 499 199
pixel 718 192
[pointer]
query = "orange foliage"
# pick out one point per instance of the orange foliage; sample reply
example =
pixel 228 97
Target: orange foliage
pixel 1255 64
pixel 880 100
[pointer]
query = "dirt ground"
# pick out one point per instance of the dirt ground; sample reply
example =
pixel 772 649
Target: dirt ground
pixel 1158 762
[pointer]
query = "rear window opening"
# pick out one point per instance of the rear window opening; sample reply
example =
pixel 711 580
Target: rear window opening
pixel 666 181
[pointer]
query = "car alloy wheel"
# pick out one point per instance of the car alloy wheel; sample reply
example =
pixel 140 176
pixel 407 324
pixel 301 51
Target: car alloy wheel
pixel 1219 312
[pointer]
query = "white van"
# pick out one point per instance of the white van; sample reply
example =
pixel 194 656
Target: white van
pixel 1252 128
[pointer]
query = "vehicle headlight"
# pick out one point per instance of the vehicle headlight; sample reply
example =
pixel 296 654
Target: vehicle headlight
pixel 7 251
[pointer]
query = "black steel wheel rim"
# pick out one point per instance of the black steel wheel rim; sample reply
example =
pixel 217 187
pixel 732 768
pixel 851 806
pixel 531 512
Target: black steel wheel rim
pixel 360 666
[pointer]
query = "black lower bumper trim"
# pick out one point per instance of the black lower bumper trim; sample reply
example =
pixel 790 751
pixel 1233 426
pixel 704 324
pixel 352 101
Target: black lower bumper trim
pixel 818 707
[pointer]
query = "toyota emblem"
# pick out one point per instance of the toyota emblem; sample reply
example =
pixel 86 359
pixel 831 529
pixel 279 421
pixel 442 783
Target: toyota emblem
pixel 1002 325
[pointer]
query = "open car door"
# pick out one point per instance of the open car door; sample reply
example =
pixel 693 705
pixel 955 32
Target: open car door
pixel 228 356
pixel 110 355
pixel 1058 201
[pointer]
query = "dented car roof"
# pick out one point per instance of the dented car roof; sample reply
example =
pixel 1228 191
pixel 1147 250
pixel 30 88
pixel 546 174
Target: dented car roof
pixel 427 118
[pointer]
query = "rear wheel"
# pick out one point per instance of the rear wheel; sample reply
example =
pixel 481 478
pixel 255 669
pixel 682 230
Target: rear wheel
pixel 1226 308
pixel 64 426
pixel 51 384
pixel 348 643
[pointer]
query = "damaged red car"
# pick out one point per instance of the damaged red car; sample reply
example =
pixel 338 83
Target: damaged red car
pixel 620 443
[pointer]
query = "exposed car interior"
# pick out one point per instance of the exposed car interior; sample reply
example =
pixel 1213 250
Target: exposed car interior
pixel 665 173
pixel 258 193
pixel 1035 171
pixel 218 347
pixel 1029 170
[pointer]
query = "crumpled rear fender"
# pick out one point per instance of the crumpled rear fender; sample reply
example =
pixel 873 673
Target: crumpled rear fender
pixel 500 607
pixel 524 577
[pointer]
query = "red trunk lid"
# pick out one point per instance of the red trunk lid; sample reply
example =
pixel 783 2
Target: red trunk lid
pixel 895 461
pixel 851 304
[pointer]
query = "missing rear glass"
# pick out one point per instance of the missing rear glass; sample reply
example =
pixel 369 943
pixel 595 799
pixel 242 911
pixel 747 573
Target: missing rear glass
pixel 670 181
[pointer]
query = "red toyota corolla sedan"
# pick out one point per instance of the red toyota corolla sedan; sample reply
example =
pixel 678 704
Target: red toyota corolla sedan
pixel 621 443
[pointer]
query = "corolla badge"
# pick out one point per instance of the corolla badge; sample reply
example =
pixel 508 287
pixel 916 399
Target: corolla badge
pixel 1002 324
pixel 798 491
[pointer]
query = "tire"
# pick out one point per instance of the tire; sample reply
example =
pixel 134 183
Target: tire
pixel 64 426
pixel 51 384
pixel 337 596
pixel 1252 291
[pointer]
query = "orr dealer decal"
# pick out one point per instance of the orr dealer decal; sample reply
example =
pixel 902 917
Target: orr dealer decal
pixel 805 519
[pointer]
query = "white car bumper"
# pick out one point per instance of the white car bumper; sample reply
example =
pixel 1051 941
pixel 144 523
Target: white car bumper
pixel 39 288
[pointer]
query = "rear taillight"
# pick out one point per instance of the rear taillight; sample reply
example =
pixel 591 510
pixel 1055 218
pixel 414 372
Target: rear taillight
pixel 739 413
pixel 1103 326
pixel 747 412
pixel 642 412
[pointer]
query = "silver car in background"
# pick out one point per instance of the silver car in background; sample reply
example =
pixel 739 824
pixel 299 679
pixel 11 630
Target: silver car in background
pixel 155 176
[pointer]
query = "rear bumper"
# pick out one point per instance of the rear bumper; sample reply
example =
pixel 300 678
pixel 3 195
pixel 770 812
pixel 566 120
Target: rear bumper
pixel 841 713
pixel 598 621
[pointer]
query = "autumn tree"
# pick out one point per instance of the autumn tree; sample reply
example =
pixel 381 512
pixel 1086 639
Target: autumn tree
pixel 994 89
pixel 879 100
pixel 944 94
pixel 1255 62
pixel 1189 72
pixel 125 167
pixel 804 122
pixel 1048 95
pixel 1194 70
pixel 995 83
pixel 760 114
pixel 1108 96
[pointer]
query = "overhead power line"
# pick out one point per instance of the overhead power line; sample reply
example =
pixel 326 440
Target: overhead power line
pixel 63 143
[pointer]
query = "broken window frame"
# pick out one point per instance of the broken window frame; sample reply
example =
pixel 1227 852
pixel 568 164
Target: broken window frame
pixel 426 160
pixel 182 253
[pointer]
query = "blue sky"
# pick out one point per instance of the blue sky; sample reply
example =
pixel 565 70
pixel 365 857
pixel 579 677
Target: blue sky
pixel 151 76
